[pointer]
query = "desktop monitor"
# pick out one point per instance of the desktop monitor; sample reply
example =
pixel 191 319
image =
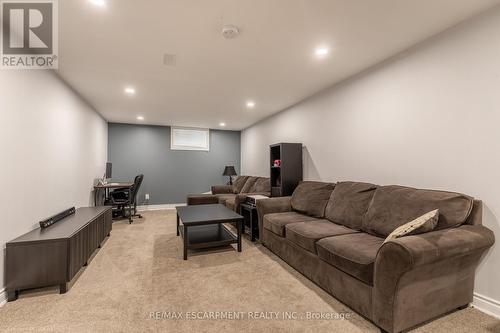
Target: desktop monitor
pixel 108 171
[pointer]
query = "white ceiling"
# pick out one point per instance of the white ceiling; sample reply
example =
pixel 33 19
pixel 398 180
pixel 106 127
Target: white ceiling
pixel 102 50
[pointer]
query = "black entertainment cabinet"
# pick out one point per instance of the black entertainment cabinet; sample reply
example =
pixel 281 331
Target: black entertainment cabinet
pixel 286 176
pixel 54 255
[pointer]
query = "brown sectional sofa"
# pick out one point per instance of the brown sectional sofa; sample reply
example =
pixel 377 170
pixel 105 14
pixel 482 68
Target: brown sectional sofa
pixel 334 234
pixel 233 195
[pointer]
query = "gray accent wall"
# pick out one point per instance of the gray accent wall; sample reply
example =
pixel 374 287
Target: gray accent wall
pixel 169 175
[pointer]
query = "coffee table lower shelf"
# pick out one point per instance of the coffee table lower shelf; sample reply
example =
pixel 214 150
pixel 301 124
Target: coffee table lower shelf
pixel 205 236
pixel 202 226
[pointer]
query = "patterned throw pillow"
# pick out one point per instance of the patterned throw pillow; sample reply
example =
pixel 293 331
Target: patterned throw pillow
pixel 424 223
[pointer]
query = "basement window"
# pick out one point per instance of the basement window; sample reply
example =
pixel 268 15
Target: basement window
pixel 187 138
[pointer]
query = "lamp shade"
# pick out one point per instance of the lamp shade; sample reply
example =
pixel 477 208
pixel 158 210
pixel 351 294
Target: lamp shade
pixel 229 171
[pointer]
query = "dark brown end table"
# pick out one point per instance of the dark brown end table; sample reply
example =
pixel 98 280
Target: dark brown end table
pixel 202 226
pixel 249 213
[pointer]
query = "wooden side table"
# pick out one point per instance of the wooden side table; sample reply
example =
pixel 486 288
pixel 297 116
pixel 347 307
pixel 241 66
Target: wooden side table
pixel 250 219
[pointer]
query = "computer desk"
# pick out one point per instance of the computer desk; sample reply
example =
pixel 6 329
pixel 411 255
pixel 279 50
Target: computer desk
pixel 106 187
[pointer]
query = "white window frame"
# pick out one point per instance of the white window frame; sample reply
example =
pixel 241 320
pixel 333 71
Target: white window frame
pixel 205 146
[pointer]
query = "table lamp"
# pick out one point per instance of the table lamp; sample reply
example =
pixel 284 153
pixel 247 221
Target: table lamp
pixel 229 171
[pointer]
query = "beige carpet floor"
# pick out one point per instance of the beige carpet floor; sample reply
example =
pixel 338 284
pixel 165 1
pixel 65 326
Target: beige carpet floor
pixel 140 270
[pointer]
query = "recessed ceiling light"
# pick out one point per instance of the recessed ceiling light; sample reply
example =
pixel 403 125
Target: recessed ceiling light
pixel 222 124
pixel 129 90
pixel 140 118
pixel 321 51
pixel 250 104
pixel 99 3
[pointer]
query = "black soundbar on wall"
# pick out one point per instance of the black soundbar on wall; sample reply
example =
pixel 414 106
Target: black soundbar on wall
pixel 56 218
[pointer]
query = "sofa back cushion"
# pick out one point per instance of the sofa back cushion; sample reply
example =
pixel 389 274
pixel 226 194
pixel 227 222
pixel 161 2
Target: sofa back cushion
pixel 310 198
pixel 393 206
pixel 349 202
pixel 248 184
pixel 238 183
pixel 420 225
pixel 262 184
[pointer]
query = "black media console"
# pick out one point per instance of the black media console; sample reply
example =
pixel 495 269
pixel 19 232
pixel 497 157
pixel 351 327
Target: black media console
pixel 54 255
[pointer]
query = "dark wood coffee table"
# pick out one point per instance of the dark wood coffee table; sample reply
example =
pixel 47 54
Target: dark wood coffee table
pixel 202 226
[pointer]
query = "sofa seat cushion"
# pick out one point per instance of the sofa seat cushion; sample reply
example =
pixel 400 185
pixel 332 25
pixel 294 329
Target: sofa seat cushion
pixel 393 206
pixel 349 202
pixel 230 202
pixel 223 197
pixel 353 253
pixel 306 234
pixel 276 222
pixel 310 198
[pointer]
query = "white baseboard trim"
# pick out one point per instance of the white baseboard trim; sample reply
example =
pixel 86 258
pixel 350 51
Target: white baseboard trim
pixel 158 207
pixel 486 304
pixel 3 297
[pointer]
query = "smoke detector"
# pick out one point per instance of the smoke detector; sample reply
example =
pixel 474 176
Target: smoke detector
pixel 169 59
pixel 230 31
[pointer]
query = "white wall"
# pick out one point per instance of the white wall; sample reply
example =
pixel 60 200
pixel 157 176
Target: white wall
pixel 53 145
pixel 429 118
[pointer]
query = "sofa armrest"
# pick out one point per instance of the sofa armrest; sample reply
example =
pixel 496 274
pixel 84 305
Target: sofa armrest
pixel 222 189
pixel 435 246
pixel 272 205
pixel 201 199
pixel 449 256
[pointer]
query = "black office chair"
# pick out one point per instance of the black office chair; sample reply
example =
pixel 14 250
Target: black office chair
pixel 126 199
